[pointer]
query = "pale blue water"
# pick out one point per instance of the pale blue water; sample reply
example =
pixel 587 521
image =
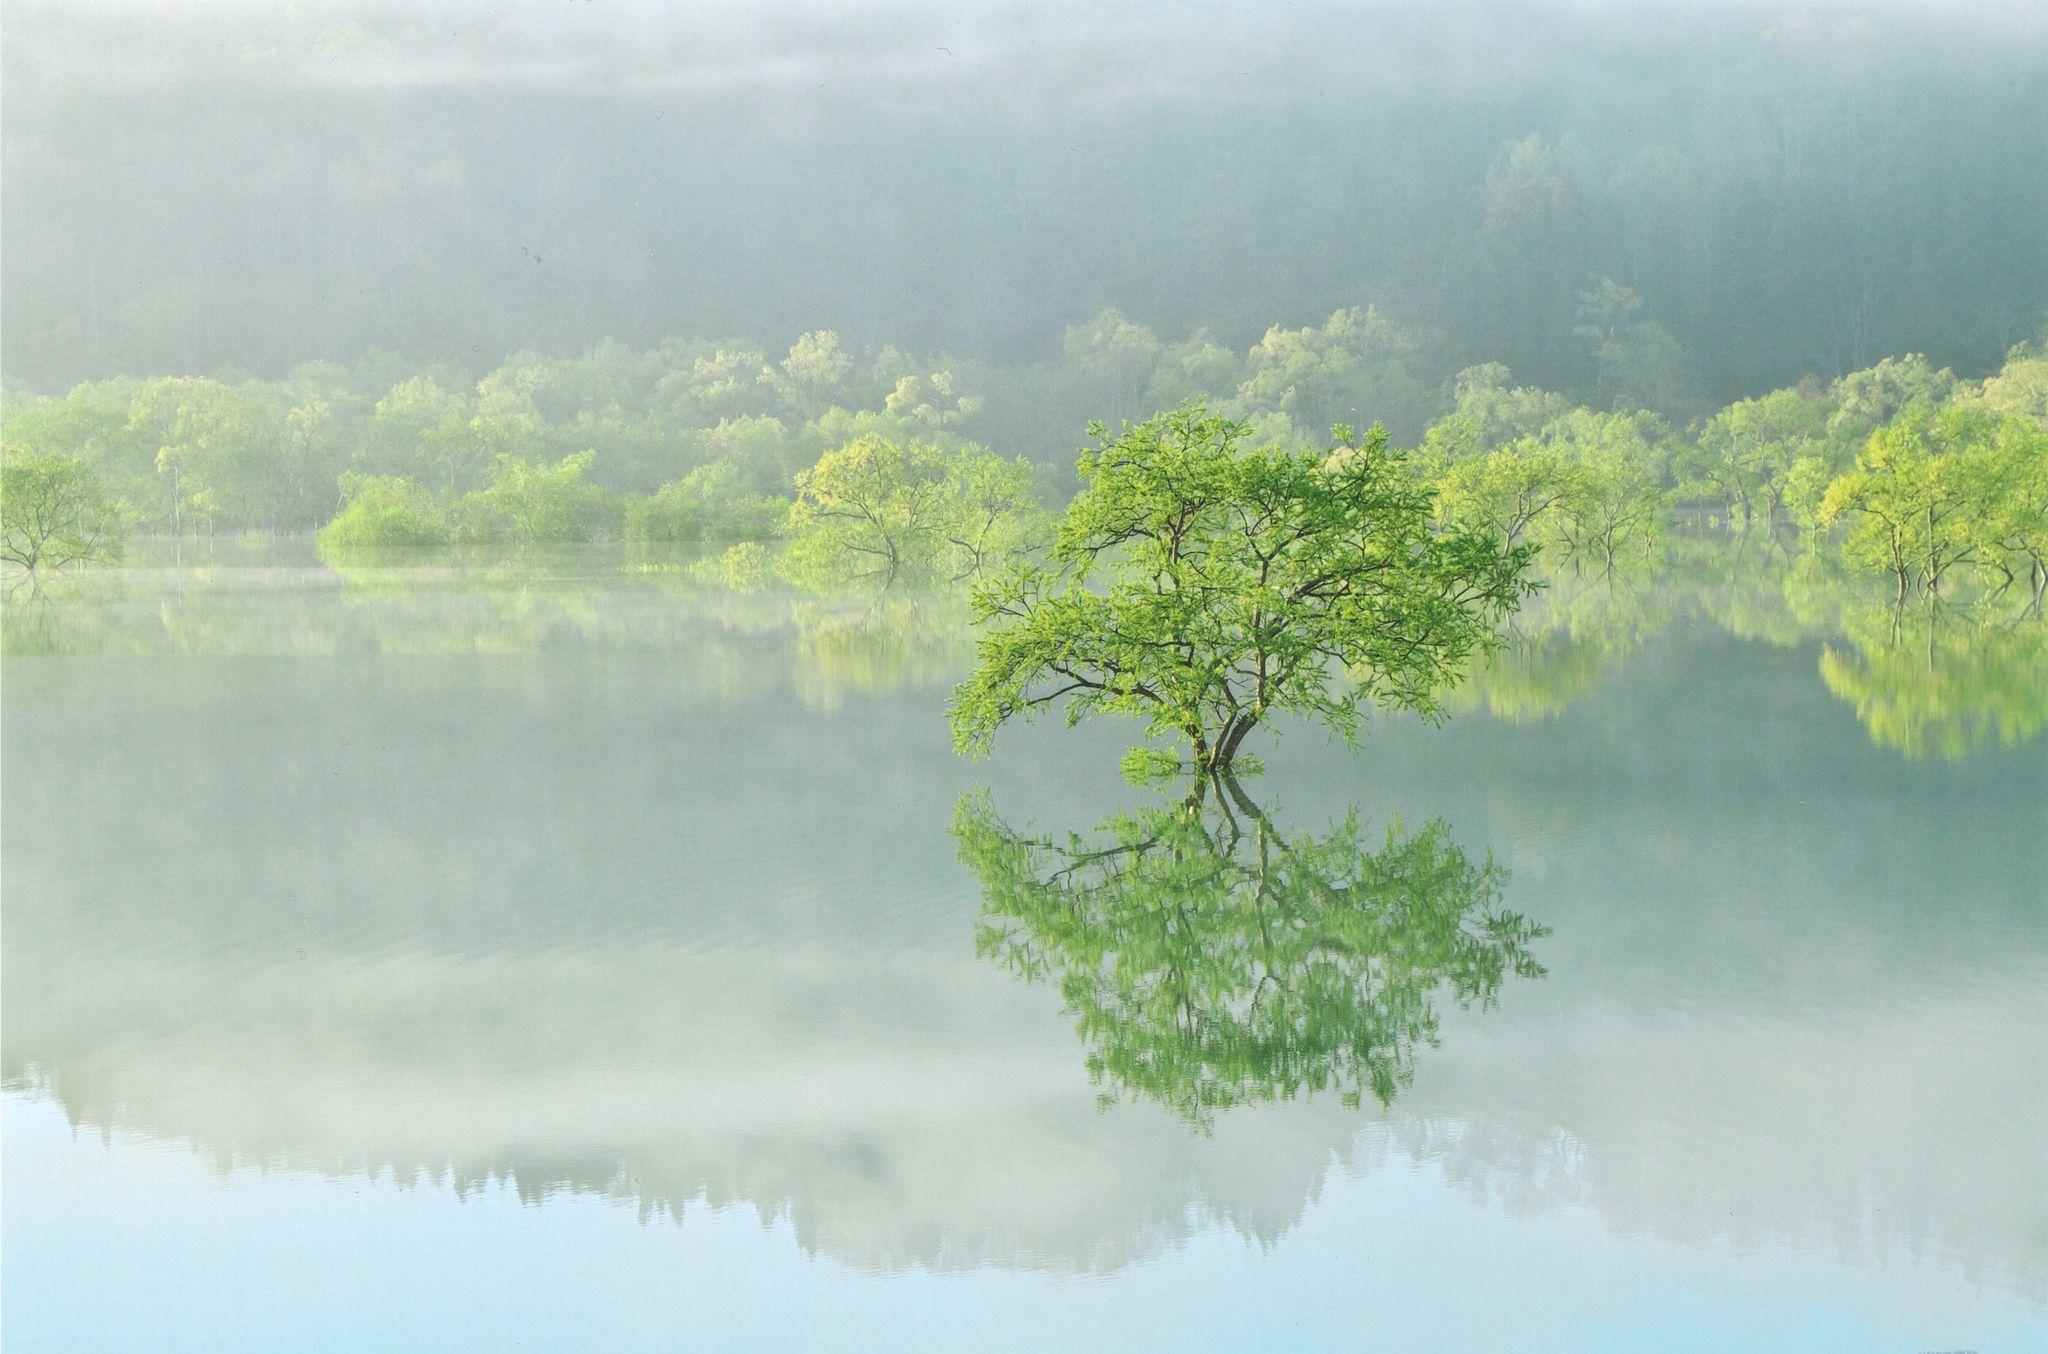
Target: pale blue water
pixel 573 962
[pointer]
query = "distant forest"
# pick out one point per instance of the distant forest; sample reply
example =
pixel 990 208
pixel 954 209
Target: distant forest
pixel 1668 209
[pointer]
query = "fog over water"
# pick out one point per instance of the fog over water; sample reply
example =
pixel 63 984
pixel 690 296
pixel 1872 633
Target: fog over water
pixel 531 535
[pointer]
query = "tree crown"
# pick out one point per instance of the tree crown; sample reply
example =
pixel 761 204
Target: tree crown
pixel 1203 585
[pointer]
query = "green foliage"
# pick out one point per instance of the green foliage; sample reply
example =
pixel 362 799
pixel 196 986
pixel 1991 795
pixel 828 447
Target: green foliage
pixel 993 514
pixel 758 447
pixel 711 503
pixel 1615 508
pixel 53 512
pixel 1745 453
pixel 422 427
pixel 1866 400
pixel 1116 356
pixel 205 446
pixel 1357 360
pixel 1582 482
pixel 674 513
pixel 1806 487
pixel 1916 498
pixel 1509 491
pixel 889 511
pixel 1487 412
pixel 2010 521
pixel 384 511
pixel 1209 960
pixel 811 374
pixel 2020 387
pixel 873 509
pixel 734 429
pixel 932 399
pixel 1204 586
pixel 531 504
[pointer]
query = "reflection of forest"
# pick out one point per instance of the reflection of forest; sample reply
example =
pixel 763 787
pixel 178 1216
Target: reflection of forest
pixel 560 601
pixel 584 926
pixel 1941 686
pixel 1210 960
pixel 1941 681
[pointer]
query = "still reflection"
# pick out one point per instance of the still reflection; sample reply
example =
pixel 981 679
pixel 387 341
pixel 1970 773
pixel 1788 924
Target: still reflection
pixel 630 910
pixel 1209 959
pixel 1574 634
pixel 1935 682
pixel 1946 682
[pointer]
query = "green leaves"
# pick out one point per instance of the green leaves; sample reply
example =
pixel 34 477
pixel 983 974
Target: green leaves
pixel 1209 960
pixel 53 512
pixel 886 510
pixel 1204 585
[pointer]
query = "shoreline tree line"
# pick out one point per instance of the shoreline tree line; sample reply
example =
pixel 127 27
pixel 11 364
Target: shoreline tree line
pixel 876 464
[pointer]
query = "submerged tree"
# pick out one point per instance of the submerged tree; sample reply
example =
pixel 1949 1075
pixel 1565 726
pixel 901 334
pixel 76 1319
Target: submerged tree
pixel 1916 498
pixel 1205 586
pixel 380 511
pixel 53 513
pixel 529 503
pixel 2011 522
pixel 1745 454
pixel 1512 491
pixel 1209 959
pixel 888 511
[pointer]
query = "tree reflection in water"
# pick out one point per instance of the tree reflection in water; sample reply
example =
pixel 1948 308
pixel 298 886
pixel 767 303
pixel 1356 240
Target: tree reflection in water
pixel 1210 959
pixel 1942 682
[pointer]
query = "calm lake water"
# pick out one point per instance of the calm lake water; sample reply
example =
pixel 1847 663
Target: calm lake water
pixel 550 955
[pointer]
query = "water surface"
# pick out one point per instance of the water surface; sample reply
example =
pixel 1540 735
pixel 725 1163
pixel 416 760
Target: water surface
pixel 466 954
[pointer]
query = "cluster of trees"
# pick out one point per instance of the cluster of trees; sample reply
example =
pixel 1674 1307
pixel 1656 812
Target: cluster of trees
pixel 873 465
pixel 1906 469
pixel 689 441
pixel 230 452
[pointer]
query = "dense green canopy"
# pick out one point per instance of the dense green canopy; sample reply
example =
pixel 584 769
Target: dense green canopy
pixel 1205 584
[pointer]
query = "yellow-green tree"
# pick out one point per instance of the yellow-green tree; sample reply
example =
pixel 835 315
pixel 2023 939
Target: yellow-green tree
pixel 53 512
pixel 890 511
pixel 1914 498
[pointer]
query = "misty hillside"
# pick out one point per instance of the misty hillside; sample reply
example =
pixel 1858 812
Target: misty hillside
pixel 1790 189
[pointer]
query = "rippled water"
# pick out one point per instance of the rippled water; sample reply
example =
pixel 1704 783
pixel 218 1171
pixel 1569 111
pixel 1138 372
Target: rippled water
pixel 459 955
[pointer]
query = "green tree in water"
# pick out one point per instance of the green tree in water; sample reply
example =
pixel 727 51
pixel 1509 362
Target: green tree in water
pixel 1205 585
pixel 1209 959
pixel 53 513
pixel 381 511
pixel 531 504
pixel 892 512
pixel 1918 496
pixel 1745 454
